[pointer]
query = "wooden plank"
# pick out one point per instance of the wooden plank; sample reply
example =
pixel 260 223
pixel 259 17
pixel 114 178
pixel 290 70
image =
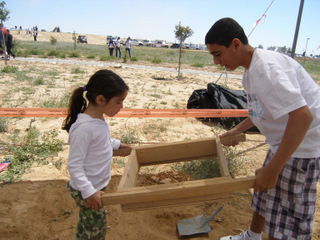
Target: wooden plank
pixel 176 191
pixel 130 113
pixel 130 173
pixel 193 183
pixel 177 202
pixel 224 170
pixel 176 152
pixel 180 151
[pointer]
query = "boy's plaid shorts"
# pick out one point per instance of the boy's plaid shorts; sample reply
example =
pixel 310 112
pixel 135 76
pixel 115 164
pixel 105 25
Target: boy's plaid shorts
pixel 289 207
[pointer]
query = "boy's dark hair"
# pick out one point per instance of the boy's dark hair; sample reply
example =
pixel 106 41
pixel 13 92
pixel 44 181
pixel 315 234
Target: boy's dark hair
pixel 224 31
pixel 103 82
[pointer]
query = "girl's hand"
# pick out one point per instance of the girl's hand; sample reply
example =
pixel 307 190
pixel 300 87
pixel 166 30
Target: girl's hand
pixel 94 201
pixel 122 145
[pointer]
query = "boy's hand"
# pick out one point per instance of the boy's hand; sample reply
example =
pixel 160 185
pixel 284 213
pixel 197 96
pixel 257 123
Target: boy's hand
pixel 266 178
pixel 232 141
pixel 94 201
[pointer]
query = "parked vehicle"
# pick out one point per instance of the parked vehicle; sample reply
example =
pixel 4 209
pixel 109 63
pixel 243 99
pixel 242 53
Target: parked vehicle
pixel 175 45
pixel 194 46
pixel 147 43
pixel 82 39
pixel 160 43
pixel 135 42
pixel 111 37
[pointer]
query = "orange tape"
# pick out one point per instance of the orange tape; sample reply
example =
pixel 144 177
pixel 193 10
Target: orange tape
pixel 127 113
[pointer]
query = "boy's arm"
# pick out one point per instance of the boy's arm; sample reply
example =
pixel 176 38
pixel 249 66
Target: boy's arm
pixel 297 127
pixel 240 128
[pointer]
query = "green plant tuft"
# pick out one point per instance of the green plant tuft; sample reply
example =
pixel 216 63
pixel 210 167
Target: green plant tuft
pixel 9 69
pixel 24 150
pixel 53 40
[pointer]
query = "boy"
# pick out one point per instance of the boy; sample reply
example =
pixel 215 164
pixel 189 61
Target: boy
pixel 284 103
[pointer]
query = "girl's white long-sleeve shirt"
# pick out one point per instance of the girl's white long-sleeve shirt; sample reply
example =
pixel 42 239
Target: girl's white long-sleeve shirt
pixel 90 155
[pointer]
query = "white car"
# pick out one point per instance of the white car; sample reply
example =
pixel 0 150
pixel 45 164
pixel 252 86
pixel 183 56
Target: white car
pixel 147 43
pixel 160 43
pixel 194 46
pixel 134 42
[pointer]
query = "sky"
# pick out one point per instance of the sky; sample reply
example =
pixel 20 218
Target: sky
pixel 156 19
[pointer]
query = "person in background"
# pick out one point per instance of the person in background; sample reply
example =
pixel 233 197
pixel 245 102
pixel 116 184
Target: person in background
pixel 91 148
pixel 284 104
pixel 128 46
pixel 118 47
pixel 35 35
pixel 111 47
pixel 10 45
pixel 3 40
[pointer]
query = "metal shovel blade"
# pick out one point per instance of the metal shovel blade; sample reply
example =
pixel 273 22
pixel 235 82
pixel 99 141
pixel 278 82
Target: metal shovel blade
pixel 196 225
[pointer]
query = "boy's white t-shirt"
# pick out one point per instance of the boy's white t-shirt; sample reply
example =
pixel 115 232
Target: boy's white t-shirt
pixel 118 43
pixel 90 155
pixel 128 43
pixel 277 85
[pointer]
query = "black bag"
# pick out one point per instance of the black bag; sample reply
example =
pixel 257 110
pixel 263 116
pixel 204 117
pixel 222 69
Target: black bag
pixel 218 97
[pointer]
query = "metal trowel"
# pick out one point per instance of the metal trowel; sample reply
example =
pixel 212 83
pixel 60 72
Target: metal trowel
pixel 196 225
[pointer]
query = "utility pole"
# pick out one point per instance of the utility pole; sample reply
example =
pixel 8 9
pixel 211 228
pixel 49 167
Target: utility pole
pixel 305 51
pixel 297 30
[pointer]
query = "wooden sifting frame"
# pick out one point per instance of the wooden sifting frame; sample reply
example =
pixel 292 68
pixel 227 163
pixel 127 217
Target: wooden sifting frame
pixel 132 197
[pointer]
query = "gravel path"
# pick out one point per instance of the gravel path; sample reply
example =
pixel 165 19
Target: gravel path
pixel 123 65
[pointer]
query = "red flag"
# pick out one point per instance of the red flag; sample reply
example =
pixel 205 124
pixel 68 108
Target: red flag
pixel 256 23
pixel 318 47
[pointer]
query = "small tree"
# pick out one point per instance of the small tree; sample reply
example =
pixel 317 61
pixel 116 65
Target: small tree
pixel 182 33
pixel 282 49
pixel 4 13
pixel 74 38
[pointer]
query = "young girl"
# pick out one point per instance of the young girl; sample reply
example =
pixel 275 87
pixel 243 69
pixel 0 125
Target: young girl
pixel 91 148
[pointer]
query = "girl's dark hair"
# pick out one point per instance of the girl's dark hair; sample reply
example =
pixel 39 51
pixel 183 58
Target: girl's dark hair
pixel 103 82
pixel 224 31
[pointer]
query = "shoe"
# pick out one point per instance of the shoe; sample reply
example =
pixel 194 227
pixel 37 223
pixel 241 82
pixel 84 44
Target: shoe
pixel 242 236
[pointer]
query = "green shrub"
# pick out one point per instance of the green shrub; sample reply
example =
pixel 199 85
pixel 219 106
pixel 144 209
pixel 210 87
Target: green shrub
pixel 91 56
pixel 27 149
pixel 201 65
pixel 53 53
pixel 9 69
pixel 104 58
pixel 202 169
pixel 53 40
pixel 156 60
pixel 35 52
pixel 77 70
pixel 129 137
pixel 3 124
pixel 74 55
pixel 39 81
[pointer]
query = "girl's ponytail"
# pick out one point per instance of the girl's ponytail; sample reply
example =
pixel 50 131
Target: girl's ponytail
pixel 77 104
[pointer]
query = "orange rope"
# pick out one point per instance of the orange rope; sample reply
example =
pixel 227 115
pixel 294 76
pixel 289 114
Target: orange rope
pixel 128 113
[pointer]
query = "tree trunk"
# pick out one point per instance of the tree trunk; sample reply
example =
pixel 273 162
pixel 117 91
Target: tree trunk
pixel 179 61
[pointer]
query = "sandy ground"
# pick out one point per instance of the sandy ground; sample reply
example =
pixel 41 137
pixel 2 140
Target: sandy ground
pixel 40 207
